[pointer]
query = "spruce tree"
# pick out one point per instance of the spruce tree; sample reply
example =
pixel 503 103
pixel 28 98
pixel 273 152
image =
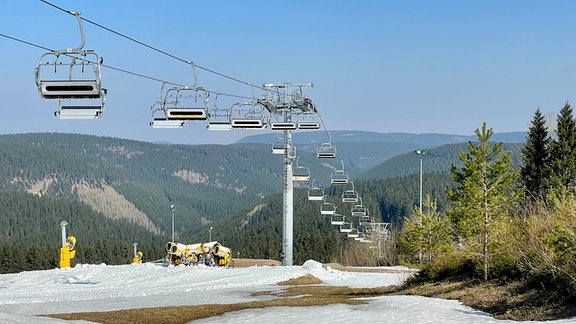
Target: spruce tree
pixel 563 151
pixel 535 173
pixel 485 192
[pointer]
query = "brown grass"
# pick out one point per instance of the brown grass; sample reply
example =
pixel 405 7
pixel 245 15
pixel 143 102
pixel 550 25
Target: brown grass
pixel 513 301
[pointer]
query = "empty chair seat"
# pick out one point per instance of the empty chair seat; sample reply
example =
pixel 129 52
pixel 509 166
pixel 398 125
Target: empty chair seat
pixel 219 126
pixel 166 123
pixel 79 112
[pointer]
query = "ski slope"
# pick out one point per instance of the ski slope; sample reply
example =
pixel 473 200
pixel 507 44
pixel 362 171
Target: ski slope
pixel 26 295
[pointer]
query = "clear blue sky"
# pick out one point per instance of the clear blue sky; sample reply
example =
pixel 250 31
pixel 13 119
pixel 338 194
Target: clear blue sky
pixel 385 66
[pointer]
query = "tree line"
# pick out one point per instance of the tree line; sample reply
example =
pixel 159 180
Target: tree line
pixel 504 222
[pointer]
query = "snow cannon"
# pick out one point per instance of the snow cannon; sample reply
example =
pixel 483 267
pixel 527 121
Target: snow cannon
pixel 138 258
pixel 67 252
pixel 179 253
pixel 217 255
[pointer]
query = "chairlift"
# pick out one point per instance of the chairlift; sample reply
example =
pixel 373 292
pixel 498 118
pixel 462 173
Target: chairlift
pixel 308 121
pixel 218 119
pixel 339 176
pixel 162 121
pixel 353 233
pixel 327 208
pixel 186 103
pixel 358 210
pixel 349 196
pixel 326 151
pixel 70 80
pixel 253 118
pixel 300 173
pixel 366 220
pixel 315 194
pixel 346 227
pixel 219 125
pixel 337 219
pixel 78 112
pixel 278 145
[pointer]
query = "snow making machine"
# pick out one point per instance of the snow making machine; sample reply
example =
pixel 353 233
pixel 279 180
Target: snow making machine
pixel 210 254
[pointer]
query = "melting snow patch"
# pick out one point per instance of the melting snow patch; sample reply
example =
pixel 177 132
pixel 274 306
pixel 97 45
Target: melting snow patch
pixel 325 274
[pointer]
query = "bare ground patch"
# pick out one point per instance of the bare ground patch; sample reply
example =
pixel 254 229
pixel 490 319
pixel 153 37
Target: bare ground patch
pixel 301 291
pixel 243 263
pixel 513 301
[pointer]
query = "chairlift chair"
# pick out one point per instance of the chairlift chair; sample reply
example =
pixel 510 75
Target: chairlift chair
pixel 353 233
pixel 278 146
pixel 346 227
pixel 337 219
pixel 300 173
pixel 252 118
pixel 349 196
pixel 308 121
pixel 218 119
pixel 162 121
pixel 219 125
pixel 79 112
pixel 366 221
pixel 327 208
pixel 315 193
pixel 69 80
pixel 186 103
pixel 358 210
pixel 326 151
pixel 339 177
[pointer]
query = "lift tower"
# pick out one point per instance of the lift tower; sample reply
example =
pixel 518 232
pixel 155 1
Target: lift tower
pixel 285 101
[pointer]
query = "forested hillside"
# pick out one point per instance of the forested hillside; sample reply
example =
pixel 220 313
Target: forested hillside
pixel 31 235
pixel 113 192
pixel 436 159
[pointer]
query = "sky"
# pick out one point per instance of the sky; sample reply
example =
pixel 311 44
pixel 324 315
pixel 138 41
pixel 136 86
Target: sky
pixel 413 66
pixel 86 288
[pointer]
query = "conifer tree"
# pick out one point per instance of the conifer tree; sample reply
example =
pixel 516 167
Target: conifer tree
pixel 563 151
pixel 427 232
pixel 486 191
pixel 535 173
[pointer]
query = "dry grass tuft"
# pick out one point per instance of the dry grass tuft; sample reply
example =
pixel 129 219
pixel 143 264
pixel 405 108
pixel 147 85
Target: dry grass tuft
pixel 304 280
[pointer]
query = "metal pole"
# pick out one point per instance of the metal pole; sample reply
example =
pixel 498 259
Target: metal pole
pixel 210 234
pixel 63 225
pixel 420 153
pixel 172 209
pixel 420 184
pixel 135 245
pixel 288 201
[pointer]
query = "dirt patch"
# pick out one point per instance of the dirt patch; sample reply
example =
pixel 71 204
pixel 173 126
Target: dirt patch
pixel 340 267
pixel 304 280
pixel 512 301
pixel 243 263
pixel 300 294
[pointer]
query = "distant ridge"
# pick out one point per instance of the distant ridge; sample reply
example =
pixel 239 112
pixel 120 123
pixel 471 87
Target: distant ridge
pixel 355 136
